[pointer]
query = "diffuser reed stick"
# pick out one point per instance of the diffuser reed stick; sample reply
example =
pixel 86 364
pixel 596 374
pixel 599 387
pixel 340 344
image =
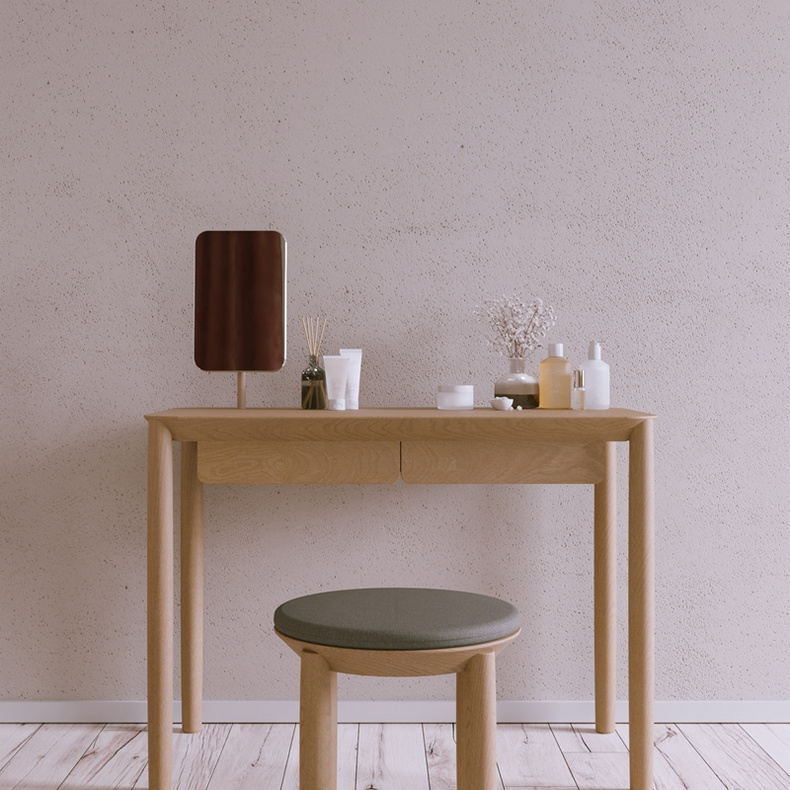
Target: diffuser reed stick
pixel 313 377
pixel 314 339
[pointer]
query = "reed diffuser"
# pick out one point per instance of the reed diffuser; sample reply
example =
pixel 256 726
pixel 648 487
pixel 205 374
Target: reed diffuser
pixel 313 376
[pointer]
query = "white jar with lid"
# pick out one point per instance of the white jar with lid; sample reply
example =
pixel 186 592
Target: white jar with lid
pixel 456 396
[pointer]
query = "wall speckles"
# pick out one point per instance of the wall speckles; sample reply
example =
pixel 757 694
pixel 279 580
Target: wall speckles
pixel 627 164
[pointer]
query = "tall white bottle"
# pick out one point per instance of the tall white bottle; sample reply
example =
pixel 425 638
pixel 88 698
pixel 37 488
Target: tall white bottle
pixel 596 378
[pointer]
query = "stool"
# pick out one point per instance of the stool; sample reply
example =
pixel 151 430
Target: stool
pixel 398 632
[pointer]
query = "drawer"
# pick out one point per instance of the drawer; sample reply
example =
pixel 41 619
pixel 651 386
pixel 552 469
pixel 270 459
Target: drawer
pixel 501 462
pixel 298 462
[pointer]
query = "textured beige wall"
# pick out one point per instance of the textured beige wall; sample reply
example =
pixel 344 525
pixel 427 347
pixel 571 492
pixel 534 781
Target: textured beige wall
pixel 628 163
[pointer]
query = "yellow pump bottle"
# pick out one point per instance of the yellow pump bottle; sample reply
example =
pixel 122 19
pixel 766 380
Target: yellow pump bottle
pixel 555 379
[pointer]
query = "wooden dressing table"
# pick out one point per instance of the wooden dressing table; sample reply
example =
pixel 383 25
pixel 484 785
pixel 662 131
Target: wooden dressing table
pixel 285 446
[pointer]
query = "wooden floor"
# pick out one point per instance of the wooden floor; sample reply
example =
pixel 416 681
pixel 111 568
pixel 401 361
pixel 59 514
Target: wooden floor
pixel 394 757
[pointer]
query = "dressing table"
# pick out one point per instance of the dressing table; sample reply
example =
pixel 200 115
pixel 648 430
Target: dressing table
pixel 425 446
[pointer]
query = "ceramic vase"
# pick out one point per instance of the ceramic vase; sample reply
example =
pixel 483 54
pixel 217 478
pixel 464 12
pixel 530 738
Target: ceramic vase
pixel 518 385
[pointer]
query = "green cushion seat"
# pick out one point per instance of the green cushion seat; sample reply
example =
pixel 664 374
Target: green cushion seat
pixel 397 618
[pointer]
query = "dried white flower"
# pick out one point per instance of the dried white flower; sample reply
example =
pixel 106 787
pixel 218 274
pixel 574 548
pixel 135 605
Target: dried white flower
pixel 518 326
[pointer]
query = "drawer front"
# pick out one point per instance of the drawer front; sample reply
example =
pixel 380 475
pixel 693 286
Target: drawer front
pixel 298 462
pixel 501 462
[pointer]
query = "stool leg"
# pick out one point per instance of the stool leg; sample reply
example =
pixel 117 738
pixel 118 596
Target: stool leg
pixel 476 724
pixel 317 724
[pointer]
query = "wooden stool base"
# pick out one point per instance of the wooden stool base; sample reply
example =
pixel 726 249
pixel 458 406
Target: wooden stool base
pixel 475 670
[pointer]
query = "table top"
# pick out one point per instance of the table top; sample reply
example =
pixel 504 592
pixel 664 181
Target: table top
pixel 402 424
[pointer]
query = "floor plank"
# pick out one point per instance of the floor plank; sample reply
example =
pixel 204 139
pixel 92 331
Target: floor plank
pixel 678 765
pixel 597 760
pixel 738 760
pixel 599 770
pixel 347 740
pixel 529 756
pixel 291 777
pixel 195 756
pixel 253 755
pixel 115 759
pixel 584 738
pixel 48 756
pixel 391 757
pixel 394 757
pixel 12 738
pixel 440 754
pixel 347 746
pixel 775 741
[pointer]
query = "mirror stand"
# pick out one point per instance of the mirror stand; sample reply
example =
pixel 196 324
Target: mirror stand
pixel 241 389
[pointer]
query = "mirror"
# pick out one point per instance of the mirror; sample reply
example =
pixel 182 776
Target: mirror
pixel 240 300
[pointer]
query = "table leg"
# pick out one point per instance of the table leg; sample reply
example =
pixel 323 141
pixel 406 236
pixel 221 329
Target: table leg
pixel 641 614
pixel 605 593
pixel 191 590
pixel 160 606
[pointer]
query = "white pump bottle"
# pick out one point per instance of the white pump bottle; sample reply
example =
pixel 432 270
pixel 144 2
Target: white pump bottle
pixel 596 378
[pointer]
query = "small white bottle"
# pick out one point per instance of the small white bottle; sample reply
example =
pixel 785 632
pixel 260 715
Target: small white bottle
pixel 578 393
pixel 596 378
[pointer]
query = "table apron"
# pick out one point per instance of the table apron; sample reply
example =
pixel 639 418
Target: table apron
pixel 381 462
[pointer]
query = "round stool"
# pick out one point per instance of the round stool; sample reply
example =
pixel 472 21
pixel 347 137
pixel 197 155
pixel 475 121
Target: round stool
pixel 398 632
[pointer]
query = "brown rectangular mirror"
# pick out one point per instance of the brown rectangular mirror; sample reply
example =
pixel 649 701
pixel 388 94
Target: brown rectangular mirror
pixel 240 300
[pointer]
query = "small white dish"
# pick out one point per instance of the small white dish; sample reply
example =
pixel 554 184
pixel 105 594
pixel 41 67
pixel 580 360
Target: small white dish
pixel 502 404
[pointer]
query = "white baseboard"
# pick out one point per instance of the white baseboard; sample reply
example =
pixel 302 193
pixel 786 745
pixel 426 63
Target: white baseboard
pixel 508 711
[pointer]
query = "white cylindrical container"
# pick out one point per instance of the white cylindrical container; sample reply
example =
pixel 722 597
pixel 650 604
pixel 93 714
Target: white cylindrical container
pixel 456 396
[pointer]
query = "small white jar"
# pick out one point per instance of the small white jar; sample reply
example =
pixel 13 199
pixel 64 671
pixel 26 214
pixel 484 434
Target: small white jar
pixel 456 396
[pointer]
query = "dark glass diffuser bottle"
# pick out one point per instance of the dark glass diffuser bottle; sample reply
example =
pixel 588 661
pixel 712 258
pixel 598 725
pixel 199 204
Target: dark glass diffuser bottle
pixel 313 385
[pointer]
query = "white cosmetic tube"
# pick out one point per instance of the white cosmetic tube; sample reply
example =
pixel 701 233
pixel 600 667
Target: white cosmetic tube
pixel 354 356
pixel 336 368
